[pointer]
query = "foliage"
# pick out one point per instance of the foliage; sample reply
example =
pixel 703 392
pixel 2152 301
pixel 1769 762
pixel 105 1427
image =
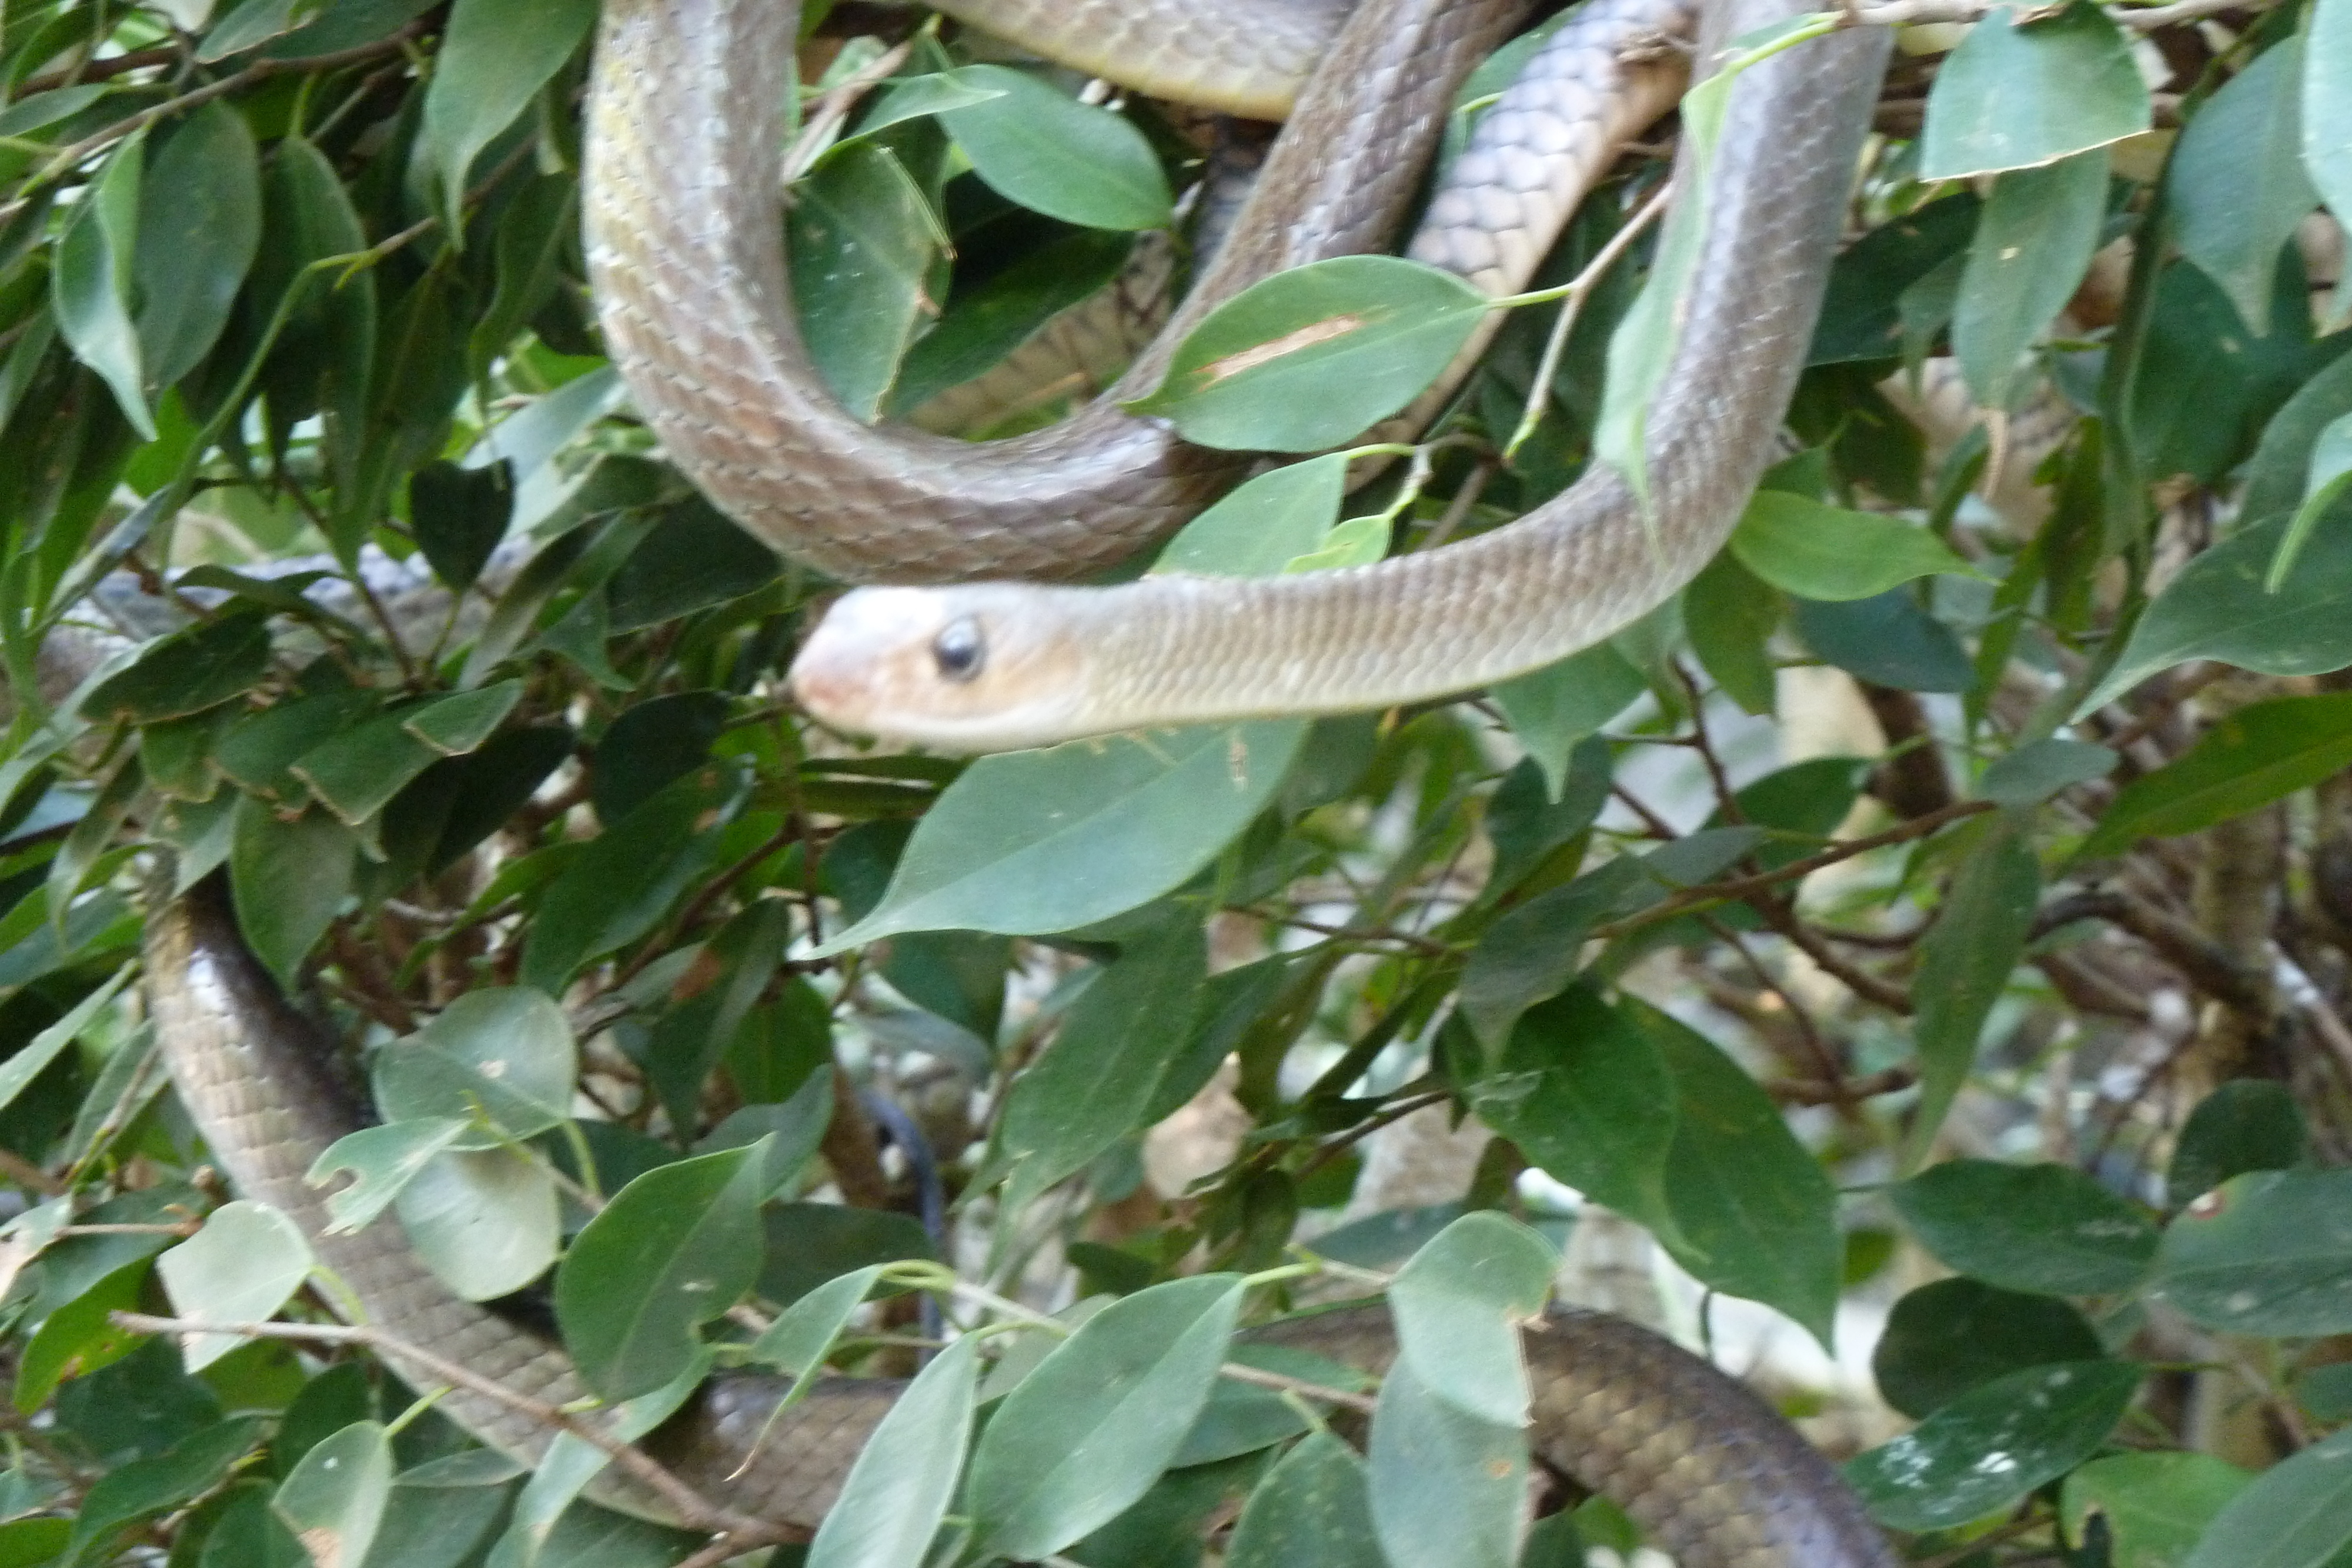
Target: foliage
pixel 1956 878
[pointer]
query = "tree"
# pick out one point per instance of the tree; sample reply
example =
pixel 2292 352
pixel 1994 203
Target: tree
pixel 1945 905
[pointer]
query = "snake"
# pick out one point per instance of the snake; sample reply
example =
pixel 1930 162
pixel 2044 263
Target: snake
pixel 1711 1471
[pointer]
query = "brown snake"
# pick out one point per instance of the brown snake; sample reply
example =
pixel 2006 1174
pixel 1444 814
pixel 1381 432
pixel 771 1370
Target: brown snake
pixel 1715 1475
pixel 1708 1469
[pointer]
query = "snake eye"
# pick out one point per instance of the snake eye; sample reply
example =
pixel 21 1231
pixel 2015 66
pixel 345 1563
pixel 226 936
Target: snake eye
pixel 960 650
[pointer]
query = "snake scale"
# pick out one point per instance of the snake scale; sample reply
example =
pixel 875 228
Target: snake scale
pixel 683 251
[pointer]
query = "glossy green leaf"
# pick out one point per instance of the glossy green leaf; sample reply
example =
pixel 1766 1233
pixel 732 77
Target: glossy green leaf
pixel 1965 964
pixel 2041 768
pixel 673 1249
pixel 495 58
pixel 1886 640
pixel 2296 1514
pixel 31 1058
pixel 499 1052
pixel 1088 1432
pixel 333 1499
pixel 91 289
pixel 245 1263
pixel 1554 709
pixel 1952 1335
pixel 1861 313
pixel 2017 95
pixel 442 1511
pixel 2154 1506
pixel 485 1223
pixel 2327 103
pixel 1587 1096
pixel 291 879
pixel 2032 248
pixel 1527 821
pixel 1534 949
pixel 988 320
pixel 2045 1227
pixel 1263 525
pixel 459 516
pixel 862 240
pixel 1038 842
pixel 898 1488
pixel 1055 155
pixel 2040 1423
pixel 199 227
pixel 1458 1305
pixel 693 559
pixel 2235 185
pixel 356 774
pixel 1730 617
pixel 2260 753
pixel 1311 358
pixel 2269 1252
pixel 625 879
pixel 1312 1509
pixel 1446 1486
pixel 381 1160
pixel 2248 1124
pixel 1092 1085
pixel 811 1243
pixel 2217 607
pixel 796 1343
pixel 186 673
pixel 1823 552
pixel 145 1488
pixel 1735 1176
pixel 2323 485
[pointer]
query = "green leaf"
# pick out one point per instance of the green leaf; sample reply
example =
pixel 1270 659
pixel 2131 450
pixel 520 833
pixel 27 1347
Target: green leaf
pixel 1092 1083
pixel 290 878
pixel 1458 1305
pixel 1730 617
pixel 2260 753
pixel 1861 311
pixel 356 774
pixel 245 1263
pixel 1532 952
pixel 797 1343
pixel 1446 1487
pixel 334 1498
pixel 675 1248
pixel 2217 607
pixel 382 1160
pixel 2041 1423
pixel 1824 552
pixel 2329 475
pixel 695 559
pixel 2269 1252
pixel 2155 1506
pixel 2296 1514
pixel 501 1052
pixel 2015 96
pixel 863 241
pixel 494 59
pixel 90 290
pixel 2327 103
pixel 1554 709
pixel 1965 963
pixel 459 516
pixel 1312 1509
pixel 1055 155
pixel 199 227
pixel 2045 1227
pixel 898 1488
pixel 2041 768
pixel 1037 841
pixel 1312 357
pixel 2032 248
pixel 1527 819
pixel 1755 1215
pixel 145 1488
pixel 1587 1096
pixel 1888 640
pixel 912 97
pixel 1088 1432
pixel 486 1223
pixel 186 673
pixel 1946 1338
pixel 31 1058
pixel 624 881
pixel 986 322
pixel 2235 185
pixel 2249 1125
pixel 1264 525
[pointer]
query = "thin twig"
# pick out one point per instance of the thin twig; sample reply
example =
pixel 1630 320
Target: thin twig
pixel 1572 304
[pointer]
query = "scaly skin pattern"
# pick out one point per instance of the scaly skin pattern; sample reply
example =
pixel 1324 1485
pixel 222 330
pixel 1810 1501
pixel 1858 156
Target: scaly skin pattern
pixel 1706 1465
pixel 685 256
pixel 1177 649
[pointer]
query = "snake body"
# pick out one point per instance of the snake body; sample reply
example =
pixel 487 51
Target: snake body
pixel 996 666
pixel 1715 1475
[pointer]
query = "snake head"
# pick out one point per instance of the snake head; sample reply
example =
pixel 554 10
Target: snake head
pixel 959 669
